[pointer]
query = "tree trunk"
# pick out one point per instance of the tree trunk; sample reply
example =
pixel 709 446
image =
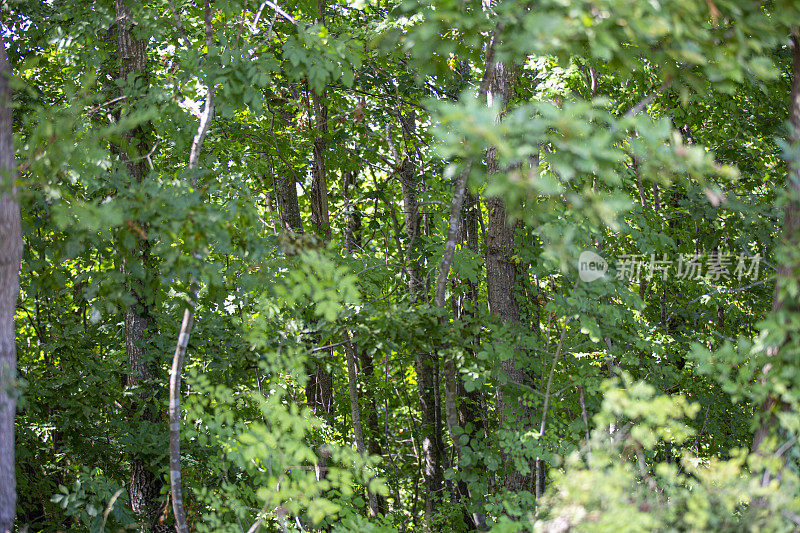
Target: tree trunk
pixel 431 453
pixel 319 186
pixel 501 281
pixel 11 241
pixel 319 390
pixel 355 411
pixel 463 407
pixel 409 183
pixel 373 428
pixel 426 363
pixel 145 486
pixel 288 206
pixel 352 240
pixel 469 402
pixel 352 232
pixel 787 273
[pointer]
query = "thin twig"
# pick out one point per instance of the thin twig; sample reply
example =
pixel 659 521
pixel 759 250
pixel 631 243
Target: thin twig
pixel 557 355
pixel 724 290
pixel 277 9
pixel 583 411
pixel 647 100
pixel 98 107
pixel 241 26
pixel 178 24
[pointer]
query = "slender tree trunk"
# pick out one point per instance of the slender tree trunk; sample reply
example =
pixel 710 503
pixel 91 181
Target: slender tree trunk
pixel 426 363
pixel 787 273
pixel 352 240
pixel 431 453
pixel 409 183
pixel 460 192
pixel 355 411
pixel 319 388
pixel 10 256
pixel 468 403
pixel 319 186
pixel 373 428
pixel 462 407
pixel 501 281
pixel 320 383
pixel 175 478
pixel 145 485
pixel 352 234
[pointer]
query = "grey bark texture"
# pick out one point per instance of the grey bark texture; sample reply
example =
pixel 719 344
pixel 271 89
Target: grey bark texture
pixel 352 234
pixel 10 256
pixel 455 232
pixel 288 205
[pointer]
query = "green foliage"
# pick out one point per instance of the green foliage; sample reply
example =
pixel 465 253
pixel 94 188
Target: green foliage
pixel 649 130
pixel 620 480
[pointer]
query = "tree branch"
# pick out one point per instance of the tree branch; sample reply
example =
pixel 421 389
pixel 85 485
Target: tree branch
pixel 275 7
pixel 188 317
pixel 178 24
pixel 461 183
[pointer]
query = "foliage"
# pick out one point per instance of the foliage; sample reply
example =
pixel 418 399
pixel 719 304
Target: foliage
pixel 648 130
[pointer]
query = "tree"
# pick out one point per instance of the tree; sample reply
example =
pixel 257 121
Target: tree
pixel 137 263
pixel 551 225
pixel 11 239
pixel 783 306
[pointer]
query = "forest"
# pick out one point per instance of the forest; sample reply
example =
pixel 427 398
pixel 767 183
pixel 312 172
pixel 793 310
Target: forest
pixel 380 266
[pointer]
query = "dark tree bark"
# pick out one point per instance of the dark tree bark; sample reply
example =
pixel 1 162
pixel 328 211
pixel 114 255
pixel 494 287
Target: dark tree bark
pixel 501 281
pixel 373 428
pixel 320 217
pixel 787 272
pixel 319 389
pixel 319 185
pixel 288 206
pixel 10 256
pixel 145 486
pixel 425 367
